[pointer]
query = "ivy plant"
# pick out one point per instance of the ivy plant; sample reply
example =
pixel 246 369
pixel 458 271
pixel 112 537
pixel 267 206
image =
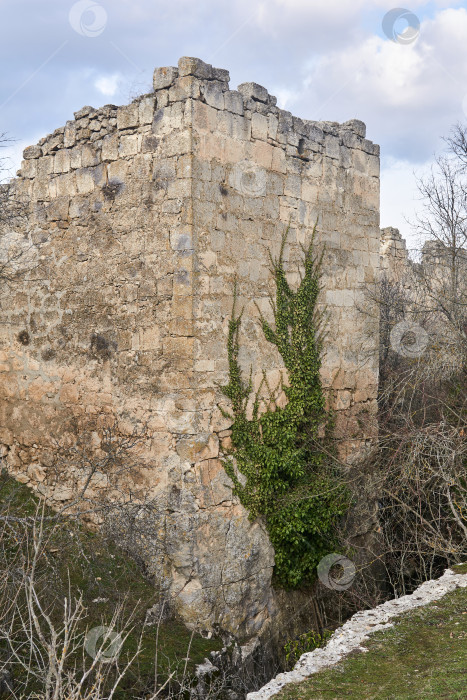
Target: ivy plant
pixel 280 463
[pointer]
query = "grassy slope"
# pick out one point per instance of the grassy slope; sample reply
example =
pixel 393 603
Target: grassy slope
pixel 101 572
pixel 424 656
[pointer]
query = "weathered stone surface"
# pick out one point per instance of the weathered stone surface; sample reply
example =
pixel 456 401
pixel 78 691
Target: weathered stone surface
pixel 196 67
pixel 84 112
pixel 164 77
pixel 257 92
pixel 144 216
pixel 32 152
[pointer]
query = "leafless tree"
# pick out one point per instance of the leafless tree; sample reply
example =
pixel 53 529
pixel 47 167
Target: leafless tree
pixel 421 456
pixel 442 224
pixel 17 252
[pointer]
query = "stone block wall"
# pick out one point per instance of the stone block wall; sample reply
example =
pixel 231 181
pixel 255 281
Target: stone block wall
pixel 141 217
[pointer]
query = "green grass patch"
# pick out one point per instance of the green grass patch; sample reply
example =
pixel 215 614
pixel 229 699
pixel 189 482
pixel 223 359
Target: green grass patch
pixel 424 656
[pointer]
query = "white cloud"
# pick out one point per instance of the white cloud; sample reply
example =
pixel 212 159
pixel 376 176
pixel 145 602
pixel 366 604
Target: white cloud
pixel 409 96
pixel 108 84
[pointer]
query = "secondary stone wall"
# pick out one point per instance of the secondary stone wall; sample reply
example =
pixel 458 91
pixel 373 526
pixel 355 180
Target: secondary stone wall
pixel 141 218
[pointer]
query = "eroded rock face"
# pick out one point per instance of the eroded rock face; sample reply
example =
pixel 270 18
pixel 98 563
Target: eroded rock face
pixel 141 217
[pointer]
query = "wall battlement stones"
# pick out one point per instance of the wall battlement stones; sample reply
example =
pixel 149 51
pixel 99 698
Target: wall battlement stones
pixel 141 217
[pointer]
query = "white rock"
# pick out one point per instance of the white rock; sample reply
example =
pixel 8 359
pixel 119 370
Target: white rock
pixel 351 636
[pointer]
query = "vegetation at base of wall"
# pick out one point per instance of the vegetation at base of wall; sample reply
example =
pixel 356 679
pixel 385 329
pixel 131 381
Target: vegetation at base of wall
pixel 424 655
pixel 282 452
pixel 308 641
pixel 75 562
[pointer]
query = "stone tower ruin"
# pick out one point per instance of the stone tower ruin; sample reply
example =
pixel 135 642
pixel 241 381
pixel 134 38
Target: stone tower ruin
pixel 140 219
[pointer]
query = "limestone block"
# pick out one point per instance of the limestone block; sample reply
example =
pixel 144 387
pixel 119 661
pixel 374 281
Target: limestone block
pixel 355 125
pixel 164 77
pixel 62 162
pixel 343 400
pixel 84 181
pixel 332 146
pixel 149 143
pixel 278 162
pixel 185 167
pixel 184 88
pixel 127 116
pixel 180 240
pixel 373 166
pixel 57 210
pixel 351 139
pixel 259 126
pixel 292 186
pixel 179 347
pixel 254 91
pixel 118 170
pixel 32 152
pixel 141 168
pixel 110 148
pixel 204 116
pixel 196 67
pixel 40 193
pixel 75 157
pixel 162 99
pixel 213 95
pixel 29 168
pixel 263 154
pixel 234 102
pixel 225 123
pixel 128 145
pixel 179 188
pixel 146 110
pixel 69 135
pixel 89 156
pixel 176 144
pixel 309 192
pixel 273 123
pixel 45 166
pixel 204 366
pixel 241 127
pixel 149 338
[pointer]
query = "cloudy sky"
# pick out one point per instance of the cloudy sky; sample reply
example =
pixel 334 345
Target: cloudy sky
pixel 323 59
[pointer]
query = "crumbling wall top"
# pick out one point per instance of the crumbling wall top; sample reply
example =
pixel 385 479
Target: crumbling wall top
pixel 193 79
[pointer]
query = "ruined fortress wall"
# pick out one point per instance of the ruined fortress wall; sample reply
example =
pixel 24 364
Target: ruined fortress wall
pixel 141 218
pixel 258 169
